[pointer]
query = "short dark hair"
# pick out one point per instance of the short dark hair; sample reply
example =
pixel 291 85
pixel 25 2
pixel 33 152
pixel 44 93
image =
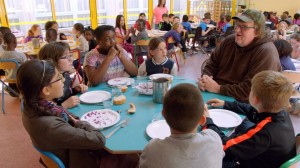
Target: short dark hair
pixel 183 107
pixel 227 18
pixel 79 27
pixel 4 30
pixel 171 15
pixel 185 18
pixel 284 48
pixel 100 30
pixel 9 38
pixel 165 15
pixel 49 24
pixel 142 14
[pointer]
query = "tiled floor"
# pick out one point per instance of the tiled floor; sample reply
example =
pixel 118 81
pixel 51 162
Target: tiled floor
pixel 15 146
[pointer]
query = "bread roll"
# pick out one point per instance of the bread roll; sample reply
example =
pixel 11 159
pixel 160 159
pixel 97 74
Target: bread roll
pixel 119 100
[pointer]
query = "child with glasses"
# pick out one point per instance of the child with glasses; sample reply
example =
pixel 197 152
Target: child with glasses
pixel 51 127
pixel 59 53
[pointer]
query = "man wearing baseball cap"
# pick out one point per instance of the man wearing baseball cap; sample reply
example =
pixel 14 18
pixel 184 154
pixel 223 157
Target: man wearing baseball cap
pixel 239 57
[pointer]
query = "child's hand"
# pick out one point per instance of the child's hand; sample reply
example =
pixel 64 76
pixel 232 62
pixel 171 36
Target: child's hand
pixel 112 52
pixel 73 119
pixel 71 102
pixel 206 113
pixel 120 51
pixel 216 102
pixel 81 88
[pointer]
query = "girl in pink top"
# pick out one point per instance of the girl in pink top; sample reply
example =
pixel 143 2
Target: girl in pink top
pixel 158 11
pixel 123 34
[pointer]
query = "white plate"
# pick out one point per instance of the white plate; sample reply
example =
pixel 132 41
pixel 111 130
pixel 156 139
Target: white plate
pixel 101 118
pixel 142 88
pixel 94 96
pixel 120 81
pixel 158 129
pixel 160 75
pixel 210 25
pixel 225 118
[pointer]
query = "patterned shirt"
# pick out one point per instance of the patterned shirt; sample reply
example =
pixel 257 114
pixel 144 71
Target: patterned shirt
pixel 116 68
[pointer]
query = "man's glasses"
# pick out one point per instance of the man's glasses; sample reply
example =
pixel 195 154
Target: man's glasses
pixel 243 28
pixel 60 77
pixel 67 56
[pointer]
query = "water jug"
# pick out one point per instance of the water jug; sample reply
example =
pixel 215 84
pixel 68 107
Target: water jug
pixel 160 87
pixel 35 43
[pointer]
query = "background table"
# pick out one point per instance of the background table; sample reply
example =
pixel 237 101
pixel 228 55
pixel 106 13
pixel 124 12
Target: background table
pixel 133 137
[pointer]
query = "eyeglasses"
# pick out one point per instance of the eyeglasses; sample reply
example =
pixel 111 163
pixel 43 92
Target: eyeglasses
pixel 67 56
pixel 60 77
pixel 243 28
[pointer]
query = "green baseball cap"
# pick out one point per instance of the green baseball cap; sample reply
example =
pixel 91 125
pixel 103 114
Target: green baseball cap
pixel 249 15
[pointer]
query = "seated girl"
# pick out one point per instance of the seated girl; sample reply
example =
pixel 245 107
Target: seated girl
pixel 123 35
pixel 285 49
pixel 59 53
pixel 109 60
pixel 34 32
pixel 175 34
pixel 89 36
pixel 78 30
pixel 51 127
pixel 159 62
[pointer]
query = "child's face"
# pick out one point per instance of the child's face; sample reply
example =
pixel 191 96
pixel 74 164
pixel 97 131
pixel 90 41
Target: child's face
pixel 206 21
pixel 160 51
pixel 88 35
pixel 74 31
pixel 179 29
pixel 176 20
pixel 65 62
pixel 171 19
pixel 140 27
pixel 166 19
pixel 142 17
pixel 55 26
pixel 56 87
pixel 37 31
pixel 107 41
pixel 122 21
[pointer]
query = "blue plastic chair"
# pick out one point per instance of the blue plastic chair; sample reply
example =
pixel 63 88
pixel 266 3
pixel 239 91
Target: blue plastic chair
pixel 7 64
pixel 50 159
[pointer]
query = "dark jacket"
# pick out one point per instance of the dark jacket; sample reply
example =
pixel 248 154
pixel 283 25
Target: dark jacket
pixel 68 90
pixel 269 143
pixel 233 67
pixel 164 26
pixel 74 145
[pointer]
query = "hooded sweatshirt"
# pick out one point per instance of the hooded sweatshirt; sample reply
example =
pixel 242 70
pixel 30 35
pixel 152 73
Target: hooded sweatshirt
pixel 233 67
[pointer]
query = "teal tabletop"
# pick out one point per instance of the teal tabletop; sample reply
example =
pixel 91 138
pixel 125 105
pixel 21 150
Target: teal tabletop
pixel 133 137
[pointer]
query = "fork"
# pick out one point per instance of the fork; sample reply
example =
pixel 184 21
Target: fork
pixel 115 130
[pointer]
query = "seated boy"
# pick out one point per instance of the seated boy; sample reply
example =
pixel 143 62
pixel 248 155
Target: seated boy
pixel 206 30
pixel 10 53
pixel 165 24
pixel 51 35
pixel 109 60
pixel 143 17
pixel 270 141
pixel 142 35
pixel 227 23
pixel 183 110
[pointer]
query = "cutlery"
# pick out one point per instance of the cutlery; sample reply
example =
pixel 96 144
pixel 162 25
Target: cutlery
pixel 115 130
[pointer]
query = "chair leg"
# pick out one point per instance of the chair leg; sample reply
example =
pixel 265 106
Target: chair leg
pixel 174 53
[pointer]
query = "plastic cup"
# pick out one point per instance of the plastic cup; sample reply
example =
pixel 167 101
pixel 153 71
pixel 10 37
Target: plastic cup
pixel 107 104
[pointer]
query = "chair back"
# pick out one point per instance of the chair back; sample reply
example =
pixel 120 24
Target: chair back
pixel 198 35
pixel 8 63
pixel 230 30
pixel 295 161
pixel 142 42
pixel 170 40
pixel 50 160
